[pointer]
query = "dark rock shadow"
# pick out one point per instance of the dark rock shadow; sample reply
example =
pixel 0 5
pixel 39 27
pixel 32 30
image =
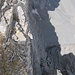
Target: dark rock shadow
pixel 54 58
pixel 52 4
pixel 48 30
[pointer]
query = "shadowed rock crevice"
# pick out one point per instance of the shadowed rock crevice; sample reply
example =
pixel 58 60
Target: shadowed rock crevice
pixel 37 49
pixel 54 60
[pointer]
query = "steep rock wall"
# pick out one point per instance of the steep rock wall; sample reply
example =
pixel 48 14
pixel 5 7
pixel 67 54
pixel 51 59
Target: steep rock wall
pixel 31 26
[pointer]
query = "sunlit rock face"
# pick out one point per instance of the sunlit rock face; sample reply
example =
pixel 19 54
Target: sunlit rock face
pixel 15 12
pixel 14 23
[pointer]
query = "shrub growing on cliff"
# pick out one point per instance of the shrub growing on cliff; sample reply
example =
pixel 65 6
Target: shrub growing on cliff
pixel 8 63
pixel 1 39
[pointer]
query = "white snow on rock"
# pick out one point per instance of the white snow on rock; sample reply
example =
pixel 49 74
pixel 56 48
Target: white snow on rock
pixel 68 49
pixel 58 72
pixel 63 19
pixel 58 23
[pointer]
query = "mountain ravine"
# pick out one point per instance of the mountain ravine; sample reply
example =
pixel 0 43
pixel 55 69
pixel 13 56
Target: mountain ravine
pixel 37 37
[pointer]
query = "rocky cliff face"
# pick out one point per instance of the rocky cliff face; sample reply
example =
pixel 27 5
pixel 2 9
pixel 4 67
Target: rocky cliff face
pixel 31 43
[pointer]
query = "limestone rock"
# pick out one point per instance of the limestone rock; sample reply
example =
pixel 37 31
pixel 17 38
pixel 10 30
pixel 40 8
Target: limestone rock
pixel 38 37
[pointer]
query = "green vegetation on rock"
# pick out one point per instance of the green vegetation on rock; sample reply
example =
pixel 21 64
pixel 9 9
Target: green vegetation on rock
pixel 8 63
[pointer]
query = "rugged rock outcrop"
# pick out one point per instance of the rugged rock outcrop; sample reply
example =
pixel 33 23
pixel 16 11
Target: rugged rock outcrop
pixel 30 41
